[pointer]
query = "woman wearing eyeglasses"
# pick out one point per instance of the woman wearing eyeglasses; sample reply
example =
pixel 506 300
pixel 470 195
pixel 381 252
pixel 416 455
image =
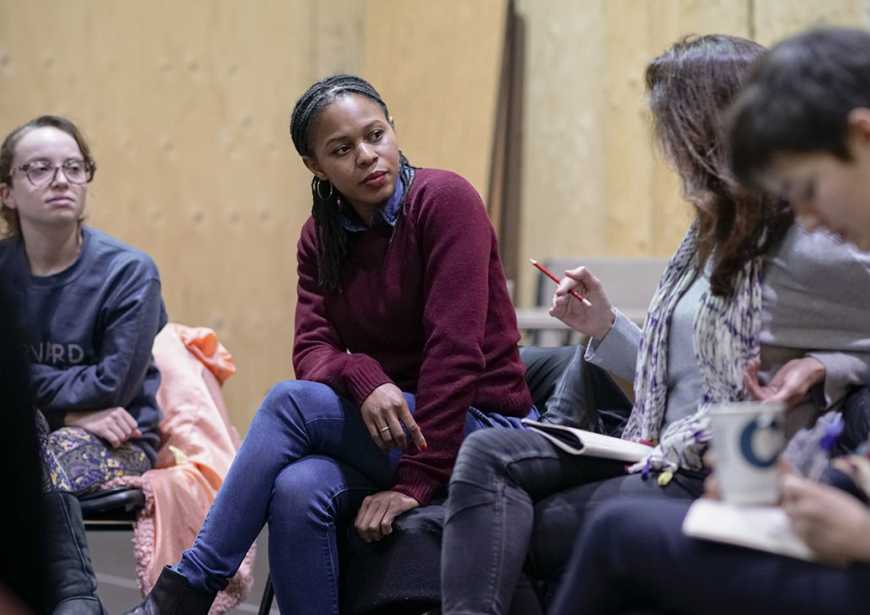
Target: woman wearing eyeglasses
pixel 90 307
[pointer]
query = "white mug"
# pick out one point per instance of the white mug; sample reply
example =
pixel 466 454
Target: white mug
pixel 747 439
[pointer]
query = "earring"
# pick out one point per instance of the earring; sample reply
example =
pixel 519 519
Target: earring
pixel 318 183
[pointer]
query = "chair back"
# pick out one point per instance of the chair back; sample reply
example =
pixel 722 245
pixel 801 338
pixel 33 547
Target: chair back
pixel 629 282
pixel 112 509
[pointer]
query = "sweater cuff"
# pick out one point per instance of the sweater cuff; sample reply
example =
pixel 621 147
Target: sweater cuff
pixel 842 371
pixel 416 484
pixel 617 350
pixel 363 376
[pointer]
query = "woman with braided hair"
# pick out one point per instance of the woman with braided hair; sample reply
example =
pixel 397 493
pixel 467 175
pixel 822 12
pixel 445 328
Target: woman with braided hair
pixel 405 340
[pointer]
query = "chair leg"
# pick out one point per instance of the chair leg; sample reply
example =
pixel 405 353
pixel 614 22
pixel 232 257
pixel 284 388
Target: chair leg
pixel 268 596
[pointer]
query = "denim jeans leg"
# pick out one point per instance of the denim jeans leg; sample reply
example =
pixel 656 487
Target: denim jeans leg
pixel 544 368
pixel 296 419
pixel 587 397
pixel 313 500
pixel 499 475
pixel 566 513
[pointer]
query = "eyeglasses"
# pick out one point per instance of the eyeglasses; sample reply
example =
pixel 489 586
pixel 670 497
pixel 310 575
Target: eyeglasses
pixel 41 173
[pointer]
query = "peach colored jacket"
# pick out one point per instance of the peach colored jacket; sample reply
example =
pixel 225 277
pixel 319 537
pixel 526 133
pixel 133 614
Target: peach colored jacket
pixel 198 444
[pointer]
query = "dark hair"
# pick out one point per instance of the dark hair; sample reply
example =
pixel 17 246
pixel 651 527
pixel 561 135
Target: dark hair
pixel 690 86
pixel 332 244
pixel 7 155
pixel 798 98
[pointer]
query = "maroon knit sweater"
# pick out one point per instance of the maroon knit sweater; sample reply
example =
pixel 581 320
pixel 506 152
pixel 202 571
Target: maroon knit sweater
pixel 424 305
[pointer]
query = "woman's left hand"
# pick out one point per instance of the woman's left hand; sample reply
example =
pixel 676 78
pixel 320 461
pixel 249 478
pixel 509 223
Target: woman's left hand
pixel 375 517
pixel 790 385
pixel 835 525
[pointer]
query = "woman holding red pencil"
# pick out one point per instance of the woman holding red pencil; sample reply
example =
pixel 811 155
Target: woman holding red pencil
pixel 749 306
pixel 406 340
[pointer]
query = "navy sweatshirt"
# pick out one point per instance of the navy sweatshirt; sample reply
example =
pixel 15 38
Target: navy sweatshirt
pixel 90 330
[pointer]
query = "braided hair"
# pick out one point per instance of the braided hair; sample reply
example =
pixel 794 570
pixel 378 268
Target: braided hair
pixel 332 244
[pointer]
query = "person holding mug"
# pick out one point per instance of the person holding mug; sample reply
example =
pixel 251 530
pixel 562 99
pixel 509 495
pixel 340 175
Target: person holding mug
pixel 801 129
pixel 743 309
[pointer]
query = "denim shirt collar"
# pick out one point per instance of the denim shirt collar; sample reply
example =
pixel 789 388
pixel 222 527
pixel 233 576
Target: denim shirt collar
pixel 389 213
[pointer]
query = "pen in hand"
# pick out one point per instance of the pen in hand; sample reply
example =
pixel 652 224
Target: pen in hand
pixel 573 292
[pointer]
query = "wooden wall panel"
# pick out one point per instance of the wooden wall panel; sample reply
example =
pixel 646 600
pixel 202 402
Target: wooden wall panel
pixel 775 19
pixel 337 40
pixel 594 183
pixel 186 106
pixel 628 160
pixel 437 66
pixel 563 192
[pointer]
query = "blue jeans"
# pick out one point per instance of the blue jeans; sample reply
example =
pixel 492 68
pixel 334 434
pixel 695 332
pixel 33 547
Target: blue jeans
pixel 516 499
pixel 305 466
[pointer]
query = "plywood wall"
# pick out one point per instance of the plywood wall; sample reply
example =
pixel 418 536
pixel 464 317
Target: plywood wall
pixel 187 103
pixel 775 19
pixel 437 64
pixel 186 107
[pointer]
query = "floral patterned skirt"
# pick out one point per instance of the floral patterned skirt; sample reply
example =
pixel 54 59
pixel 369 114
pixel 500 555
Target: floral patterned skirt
pixel 79 462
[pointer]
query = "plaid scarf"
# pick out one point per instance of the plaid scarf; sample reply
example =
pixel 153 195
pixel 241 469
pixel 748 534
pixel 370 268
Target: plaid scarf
pixel 726 340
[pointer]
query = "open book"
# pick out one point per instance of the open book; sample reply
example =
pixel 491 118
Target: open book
pixel 765 528
pixel 580 442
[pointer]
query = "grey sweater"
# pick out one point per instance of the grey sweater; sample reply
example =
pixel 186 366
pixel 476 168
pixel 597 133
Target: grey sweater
pixel 815 300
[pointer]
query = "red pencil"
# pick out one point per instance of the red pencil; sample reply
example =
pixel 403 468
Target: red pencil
pixel 553 277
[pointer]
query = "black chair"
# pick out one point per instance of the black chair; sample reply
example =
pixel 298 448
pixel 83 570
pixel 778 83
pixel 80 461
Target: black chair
pixel 112 509
pixel 399 575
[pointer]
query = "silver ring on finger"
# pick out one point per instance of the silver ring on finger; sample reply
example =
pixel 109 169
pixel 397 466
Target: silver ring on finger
pixel 384 428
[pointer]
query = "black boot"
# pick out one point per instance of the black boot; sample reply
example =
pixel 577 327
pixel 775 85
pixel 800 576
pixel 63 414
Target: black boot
pixel 70 572
pixel 173 595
